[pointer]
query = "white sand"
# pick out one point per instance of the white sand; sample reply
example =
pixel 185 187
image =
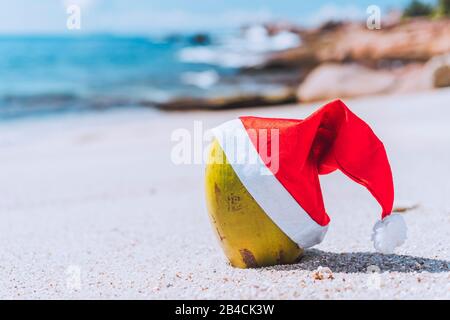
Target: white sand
pixel 97 196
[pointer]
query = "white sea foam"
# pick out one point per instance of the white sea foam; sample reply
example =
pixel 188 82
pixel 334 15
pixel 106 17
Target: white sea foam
pixel 204 79
pixel 285 40
pixel 219 56
pixel 244 50
pixel 257 38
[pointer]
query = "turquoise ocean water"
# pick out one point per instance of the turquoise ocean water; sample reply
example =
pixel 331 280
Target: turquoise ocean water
pixel 41 75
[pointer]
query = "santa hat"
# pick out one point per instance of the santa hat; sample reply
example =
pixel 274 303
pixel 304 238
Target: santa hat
pixel 286 185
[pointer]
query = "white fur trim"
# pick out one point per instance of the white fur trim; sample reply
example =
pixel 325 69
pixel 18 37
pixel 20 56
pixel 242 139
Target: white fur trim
pixel 389 233
pixel 265 188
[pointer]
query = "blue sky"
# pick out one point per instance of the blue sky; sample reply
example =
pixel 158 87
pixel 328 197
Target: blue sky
pixel 153 16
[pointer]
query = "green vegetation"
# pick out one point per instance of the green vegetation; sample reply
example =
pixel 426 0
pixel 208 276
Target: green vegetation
pixel 418 8
pixel 443 8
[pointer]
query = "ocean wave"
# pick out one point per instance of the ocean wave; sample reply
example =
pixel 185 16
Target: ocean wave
pixel 257 38
pixel 219 57
pixel 203 79
pixel 17 105
pixel 247 49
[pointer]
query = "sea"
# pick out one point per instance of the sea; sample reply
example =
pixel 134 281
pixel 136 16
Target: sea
pixel 42 74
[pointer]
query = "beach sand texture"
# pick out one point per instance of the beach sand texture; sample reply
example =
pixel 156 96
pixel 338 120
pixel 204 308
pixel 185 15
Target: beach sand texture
pixel 91 206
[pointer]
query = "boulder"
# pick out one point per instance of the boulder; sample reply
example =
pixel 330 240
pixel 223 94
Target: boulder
pixel 442 77
pixel 414 40
pixel 330 81
pixel 412 78
pixel 439 69
pixel 418 77
pixel 275 97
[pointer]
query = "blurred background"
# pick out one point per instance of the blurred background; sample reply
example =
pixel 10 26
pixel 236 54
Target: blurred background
pixel 183 55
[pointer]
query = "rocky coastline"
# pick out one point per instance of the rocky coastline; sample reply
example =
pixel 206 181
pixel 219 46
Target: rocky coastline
pixel 341 59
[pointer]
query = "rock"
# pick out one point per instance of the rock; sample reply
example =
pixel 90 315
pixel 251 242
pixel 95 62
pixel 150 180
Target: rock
pixel 442 77
pixel 200 39
pixel 412 78
pixel 330 81
pixel 227 102
pixel 414 40
pixel 433 74
pixel 439 68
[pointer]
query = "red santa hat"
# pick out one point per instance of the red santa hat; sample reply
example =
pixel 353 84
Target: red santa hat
pixel 285 183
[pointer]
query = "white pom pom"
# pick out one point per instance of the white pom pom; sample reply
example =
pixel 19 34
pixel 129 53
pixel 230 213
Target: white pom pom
pixel 389 233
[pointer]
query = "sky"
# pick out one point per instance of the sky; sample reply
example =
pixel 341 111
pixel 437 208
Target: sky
pixel 160 16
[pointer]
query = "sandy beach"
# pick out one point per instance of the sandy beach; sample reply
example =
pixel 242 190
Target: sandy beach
pixel 92 206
